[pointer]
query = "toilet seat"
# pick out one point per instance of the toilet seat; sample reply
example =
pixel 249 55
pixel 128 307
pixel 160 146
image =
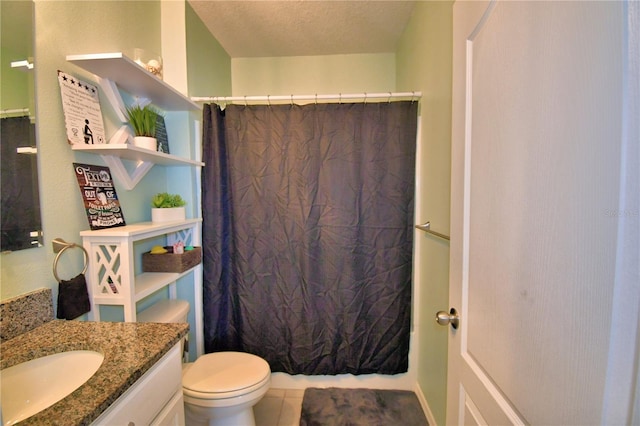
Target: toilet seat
pixel 222 375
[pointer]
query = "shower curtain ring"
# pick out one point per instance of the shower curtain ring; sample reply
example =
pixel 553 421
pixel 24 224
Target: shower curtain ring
pixel 245 100
pixel 269 100
pixel 316 99
pixel 340 98
pixel 389 100
pixel 365 98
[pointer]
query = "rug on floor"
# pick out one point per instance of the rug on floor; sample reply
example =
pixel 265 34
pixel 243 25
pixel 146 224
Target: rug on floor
pixel 360 407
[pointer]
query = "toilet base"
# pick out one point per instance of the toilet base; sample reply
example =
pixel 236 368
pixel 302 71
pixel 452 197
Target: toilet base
pixel 228 416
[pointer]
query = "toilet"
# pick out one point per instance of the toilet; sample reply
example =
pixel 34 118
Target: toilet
pixel 220 388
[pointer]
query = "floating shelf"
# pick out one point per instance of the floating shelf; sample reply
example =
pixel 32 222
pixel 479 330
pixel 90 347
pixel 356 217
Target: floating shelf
pixel 113 154
pixel 134 79
pixel 113 71
pixel 134 153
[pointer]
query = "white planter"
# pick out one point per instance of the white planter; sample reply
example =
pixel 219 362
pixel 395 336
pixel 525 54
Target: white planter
pixel 173 214
pixel 146 142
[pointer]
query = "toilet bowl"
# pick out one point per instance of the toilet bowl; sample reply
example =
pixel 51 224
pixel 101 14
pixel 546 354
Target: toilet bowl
pixel 220 388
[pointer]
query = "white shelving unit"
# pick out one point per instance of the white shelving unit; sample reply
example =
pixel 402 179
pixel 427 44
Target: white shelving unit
pixel 113 70
pixel 111 276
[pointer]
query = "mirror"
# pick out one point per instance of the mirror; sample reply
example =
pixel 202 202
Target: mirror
pixel 21 223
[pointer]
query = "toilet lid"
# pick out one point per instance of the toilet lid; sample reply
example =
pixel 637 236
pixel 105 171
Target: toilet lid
pixel 221 372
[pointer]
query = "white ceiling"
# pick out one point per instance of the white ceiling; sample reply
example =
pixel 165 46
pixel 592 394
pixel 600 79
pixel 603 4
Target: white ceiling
pixel 304 27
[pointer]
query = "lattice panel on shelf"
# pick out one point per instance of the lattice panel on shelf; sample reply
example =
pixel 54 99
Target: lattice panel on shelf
pixel 109 278
pixel 185 235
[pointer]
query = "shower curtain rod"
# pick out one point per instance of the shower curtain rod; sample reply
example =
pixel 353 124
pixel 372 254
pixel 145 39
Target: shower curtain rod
pixel 337 97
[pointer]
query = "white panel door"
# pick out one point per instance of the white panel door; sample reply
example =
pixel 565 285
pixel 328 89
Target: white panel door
pixel 537 106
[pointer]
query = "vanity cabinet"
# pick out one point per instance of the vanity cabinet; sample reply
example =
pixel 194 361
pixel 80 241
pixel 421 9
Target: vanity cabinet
pixel 154 399
pixel 112 277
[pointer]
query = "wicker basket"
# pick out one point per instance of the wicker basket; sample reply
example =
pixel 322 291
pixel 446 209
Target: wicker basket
pixel 170 262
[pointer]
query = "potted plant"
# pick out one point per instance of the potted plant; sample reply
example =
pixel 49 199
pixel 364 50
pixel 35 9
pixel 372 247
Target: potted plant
pixel 167 207
pixel 143 120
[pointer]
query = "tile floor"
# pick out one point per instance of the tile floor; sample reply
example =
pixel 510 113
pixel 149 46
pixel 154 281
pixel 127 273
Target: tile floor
pixel 279 407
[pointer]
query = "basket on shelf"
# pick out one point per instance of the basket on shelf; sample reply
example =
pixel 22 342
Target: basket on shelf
pixel 171 262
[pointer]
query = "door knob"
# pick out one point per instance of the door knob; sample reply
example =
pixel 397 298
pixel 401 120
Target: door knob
pixel 451 317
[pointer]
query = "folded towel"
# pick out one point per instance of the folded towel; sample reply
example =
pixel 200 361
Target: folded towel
pixel 73 298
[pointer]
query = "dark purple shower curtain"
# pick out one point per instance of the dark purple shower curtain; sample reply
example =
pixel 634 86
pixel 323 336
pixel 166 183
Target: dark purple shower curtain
pixel 307 234
pixel 20 214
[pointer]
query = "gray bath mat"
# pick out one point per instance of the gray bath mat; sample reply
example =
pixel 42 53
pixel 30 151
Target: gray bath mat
pixel 360 407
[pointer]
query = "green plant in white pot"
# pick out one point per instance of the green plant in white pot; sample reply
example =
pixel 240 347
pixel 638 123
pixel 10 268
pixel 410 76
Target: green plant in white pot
pixel 143 120
pixel 167 208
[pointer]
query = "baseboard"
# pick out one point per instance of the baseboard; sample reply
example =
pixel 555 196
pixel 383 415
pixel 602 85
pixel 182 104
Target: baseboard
pixel 425 406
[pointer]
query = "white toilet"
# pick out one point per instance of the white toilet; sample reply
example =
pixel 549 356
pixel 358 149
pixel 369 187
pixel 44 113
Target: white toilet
pixel 221 388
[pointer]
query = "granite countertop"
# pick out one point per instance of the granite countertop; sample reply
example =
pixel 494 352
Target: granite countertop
pixel 129 350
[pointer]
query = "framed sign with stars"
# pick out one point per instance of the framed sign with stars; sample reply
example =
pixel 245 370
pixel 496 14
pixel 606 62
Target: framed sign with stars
pixel 82 114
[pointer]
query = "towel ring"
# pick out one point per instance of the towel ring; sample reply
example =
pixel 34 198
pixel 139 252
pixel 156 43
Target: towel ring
pixel 59 246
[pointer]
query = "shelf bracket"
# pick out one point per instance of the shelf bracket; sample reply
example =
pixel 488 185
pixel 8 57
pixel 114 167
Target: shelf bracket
pixel 129 181
pixel 122 135
pixel 112 93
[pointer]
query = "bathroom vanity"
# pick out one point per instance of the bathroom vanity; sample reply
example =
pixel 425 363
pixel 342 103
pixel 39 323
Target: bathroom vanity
pixel 138 383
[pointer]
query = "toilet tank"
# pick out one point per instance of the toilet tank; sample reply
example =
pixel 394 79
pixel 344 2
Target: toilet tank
pixel 168 310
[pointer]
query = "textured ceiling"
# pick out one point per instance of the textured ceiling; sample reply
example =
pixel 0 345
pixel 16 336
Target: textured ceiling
pixel 302 27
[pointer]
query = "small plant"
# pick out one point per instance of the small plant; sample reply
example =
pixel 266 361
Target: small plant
pixel 165 200
pixel 143 120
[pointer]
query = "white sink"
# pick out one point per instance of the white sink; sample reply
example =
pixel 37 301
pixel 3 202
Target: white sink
pixel 32 386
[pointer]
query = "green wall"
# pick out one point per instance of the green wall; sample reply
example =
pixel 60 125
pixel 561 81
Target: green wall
pixel 16 44
pixel 307 75
pixel 63 28
pixel 424 62
pixel 208 65
pixel 15 85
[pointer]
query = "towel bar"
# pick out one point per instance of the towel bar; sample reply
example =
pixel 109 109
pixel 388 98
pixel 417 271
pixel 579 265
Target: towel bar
pixel 426 227
pixel 59 246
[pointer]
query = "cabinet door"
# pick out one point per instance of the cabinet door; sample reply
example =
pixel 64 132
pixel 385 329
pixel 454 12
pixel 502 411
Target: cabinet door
pixel 173 413
pixel 147 397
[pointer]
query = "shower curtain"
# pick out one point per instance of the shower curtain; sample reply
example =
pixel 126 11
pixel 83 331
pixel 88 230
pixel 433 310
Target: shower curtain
pixel 20 214
pixel 307 234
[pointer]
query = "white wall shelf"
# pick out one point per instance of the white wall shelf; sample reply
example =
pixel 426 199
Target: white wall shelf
pixel 134 79
pixel 113 70
pixel 131 152
pixel 145 159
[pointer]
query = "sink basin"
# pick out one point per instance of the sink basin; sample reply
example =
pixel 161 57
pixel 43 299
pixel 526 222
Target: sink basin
pixel 32 386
